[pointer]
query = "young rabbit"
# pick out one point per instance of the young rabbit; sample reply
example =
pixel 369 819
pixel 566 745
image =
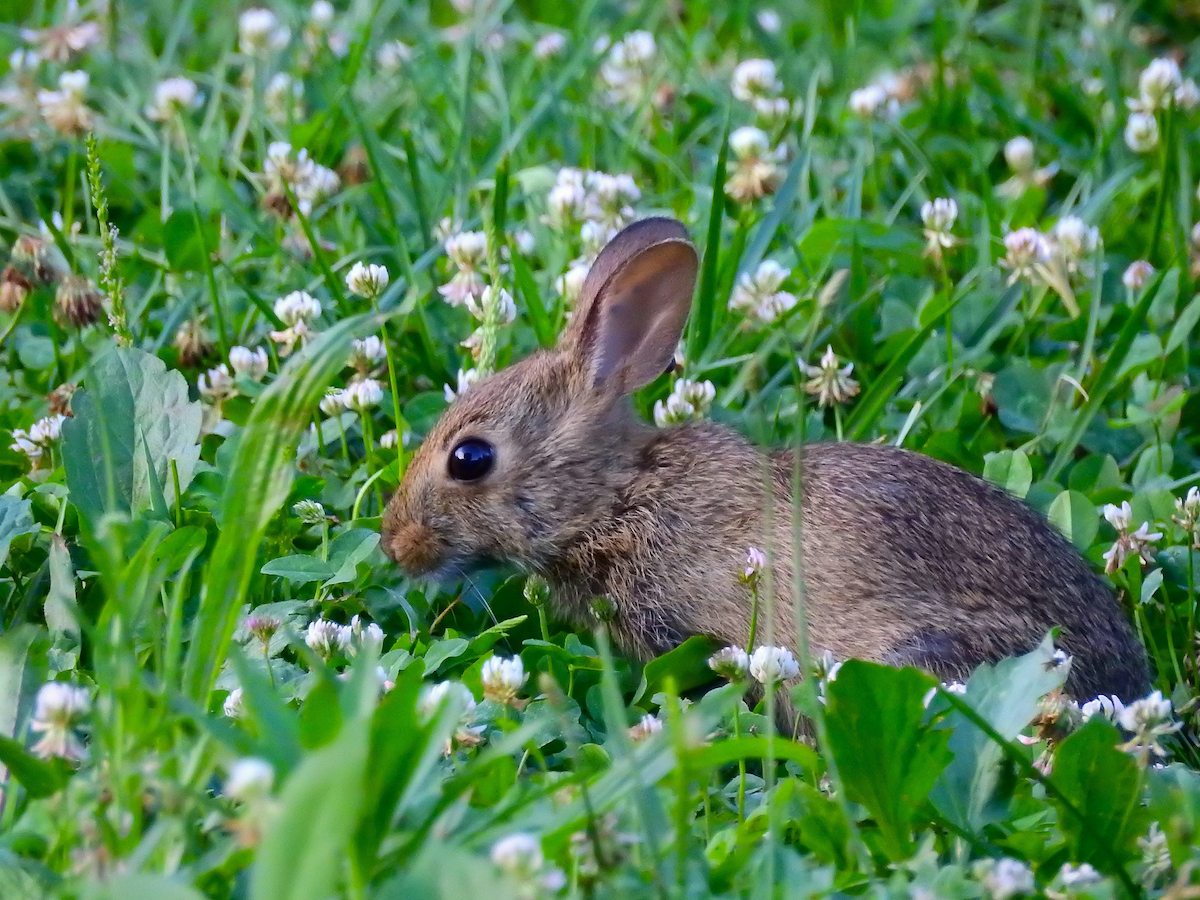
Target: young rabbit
pixel 905 560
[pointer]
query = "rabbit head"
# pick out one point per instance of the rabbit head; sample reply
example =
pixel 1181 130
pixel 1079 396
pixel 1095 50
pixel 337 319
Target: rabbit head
pixel 526 460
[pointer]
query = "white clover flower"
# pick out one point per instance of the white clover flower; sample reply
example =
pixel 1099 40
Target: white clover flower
pixel 1141 132
pixel 1148 720
pixel 64 110
pixel 1156 862
pixel 1071 239
pixel 58 710
pixel 389 440
pixel 23 62
pixel 259 30
pixel 1019 155
pixel 249 363
pixel 1128 543
pixel 506 308
pixel 333 402
pixel 549 46
pixel 368 353
pixel 570 283
pixel 466 378
pixel 1188 515
pixel 769 665
pixel 363 394
pixel 1104 14
pixel 321 14
pixel 250 780
pixel 22 443
pixel 1187 96
pixel 467 251
pixel 647 726
pixel 1079 876
pixel 217 385
pixel 282 96
pixel 1005 878
pixel 1025 250
pixel 938 216
pixel 759 293
pixel 830 381
pixel 749 142
pixel 756 564
pixel 776 109
pixel 392 55
pixel 627 67
pixel 327 639
pixel 1158 82
pixel 433 696
pixel 731 663
pixel 689 401
pixel 567 199
pixel 867 102
pixel 172 96
pixel 363 636
pixel 525 242
pixel 1137 275
pixel 47 430
pixel 769 21
pixel 367 280
pixel 234 707
pixel 519 855
pixel 757 172
pixel 296 307
pixel 503 679
pixel 310 512
pixel 755 78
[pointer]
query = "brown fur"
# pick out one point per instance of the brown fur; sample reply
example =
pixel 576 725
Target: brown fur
pixel 906 560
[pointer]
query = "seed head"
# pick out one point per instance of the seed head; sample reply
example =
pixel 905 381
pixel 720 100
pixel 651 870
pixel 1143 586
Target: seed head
pixel 78 302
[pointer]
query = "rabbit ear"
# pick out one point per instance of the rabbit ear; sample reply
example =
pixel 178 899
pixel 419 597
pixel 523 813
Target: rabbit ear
pixel 634 303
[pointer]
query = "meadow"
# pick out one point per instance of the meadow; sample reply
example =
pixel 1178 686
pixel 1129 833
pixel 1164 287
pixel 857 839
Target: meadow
pixel 251 254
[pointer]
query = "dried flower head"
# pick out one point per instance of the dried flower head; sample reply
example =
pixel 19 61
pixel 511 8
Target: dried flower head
pixel 1025 250
pixel 78 302
pixel 193 344
pixel 64 109
pixel 1129 542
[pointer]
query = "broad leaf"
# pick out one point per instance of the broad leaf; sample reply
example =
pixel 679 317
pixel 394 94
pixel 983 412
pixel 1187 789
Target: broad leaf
pixel 1009 469
pixel 1075 516
pixel 887 757
pixel 1104 785
pixel 299 568
pixel 15 520
pixel 1005 695
pixel 133 420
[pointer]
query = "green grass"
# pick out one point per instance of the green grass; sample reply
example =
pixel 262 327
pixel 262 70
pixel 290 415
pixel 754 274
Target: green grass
pixel 154 556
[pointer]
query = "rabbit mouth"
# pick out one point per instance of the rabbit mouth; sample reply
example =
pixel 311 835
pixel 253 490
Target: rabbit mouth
pixel 454 567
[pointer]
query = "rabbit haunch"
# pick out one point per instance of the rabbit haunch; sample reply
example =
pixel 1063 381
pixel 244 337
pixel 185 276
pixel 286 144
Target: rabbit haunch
pixel 905 560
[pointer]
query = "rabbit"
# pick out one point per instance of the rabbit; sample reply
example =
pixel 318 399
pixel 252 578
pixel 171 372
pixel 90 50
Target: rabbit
pixel 905 560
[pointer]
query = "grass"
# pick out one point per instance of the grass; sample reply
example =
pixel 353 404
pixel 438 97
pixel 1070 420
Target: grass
pixel 166 550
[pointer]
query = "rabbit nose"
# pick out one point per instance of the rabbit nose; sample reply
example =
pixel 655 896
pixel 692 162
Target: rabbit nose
pixel 413 547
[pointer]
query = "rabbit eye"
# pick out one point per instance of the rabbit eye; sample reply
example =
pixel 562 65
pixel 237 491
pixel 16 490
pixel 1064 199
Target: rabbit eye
pixel 471 459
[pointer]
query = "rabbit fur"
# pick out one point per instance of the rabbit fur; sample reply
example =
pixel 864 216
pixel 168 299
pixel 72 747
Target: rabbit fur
pixel 905 560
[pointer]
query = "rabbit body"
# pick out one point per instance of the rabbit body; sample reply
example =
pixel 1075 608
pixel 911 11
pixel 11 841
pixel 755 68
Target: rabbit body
pixel 905 559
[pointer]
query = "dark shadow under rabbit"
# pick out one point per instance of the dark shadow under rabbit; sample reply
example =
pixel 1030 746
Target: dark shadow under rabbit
pixel 905 560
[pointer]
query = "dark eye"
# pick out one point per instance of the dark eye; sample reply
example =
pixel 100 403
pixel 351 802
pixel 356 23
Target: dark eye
pixel 471 459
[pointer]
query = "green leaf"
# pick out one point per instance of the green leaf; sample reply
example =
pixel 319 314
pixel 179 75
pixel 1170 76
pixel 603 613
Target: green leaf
pixel 143 887
pixel 1009 469
pixel 704 313
pixel 184 242
pixel 887 758
pixel 40 778
pixel 1006 696
pixel 349 549
pixel 15 520
pixel 1175 805
pixel 1185 325
pixel 440 652
pixel 686 665
pixel 1075 516
pixel 62 612
pixel 539 317
pixel 300 855
pixel 130 398
pixel 1105 786
pixel 14 648
pixel 299 568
